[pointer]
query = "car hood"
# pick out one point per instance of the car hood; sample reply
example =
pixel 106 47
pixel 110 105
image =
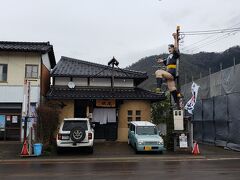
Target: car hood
pixel 148 137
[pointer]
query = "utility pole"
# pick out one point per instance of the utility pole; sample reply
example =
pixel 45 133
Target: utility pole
pixel 177 39
pixel 178 36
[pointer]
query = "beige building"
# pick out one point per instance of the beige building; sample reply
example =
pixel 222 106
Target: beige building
pixel 109 96
pixel 20 61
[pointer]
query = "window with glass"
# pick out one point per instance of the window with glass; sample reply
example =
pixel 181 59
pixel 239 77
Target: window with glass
pixel 138 113
pixel 31 71
pixel 138 118
pixel 3 72
pixel 130 113
pixel 146 130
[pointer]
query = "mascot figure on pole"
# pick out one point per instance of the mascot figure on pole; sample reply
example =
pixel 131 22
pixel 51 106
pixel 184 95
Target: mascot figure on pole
pixel 171 73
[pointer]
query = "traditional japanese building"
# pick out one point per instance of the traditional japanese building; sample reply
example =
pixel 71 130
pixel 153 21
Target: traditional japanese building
pixel 109 95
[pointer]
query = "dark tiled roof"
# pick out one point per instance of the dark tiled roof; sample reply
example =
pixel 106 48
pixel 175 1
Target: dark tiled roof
pixel 74 67
pixel 103 93
pixel 40 47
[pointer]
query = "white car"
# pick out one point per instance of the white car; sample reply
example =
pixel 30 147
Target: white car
pixel 75 132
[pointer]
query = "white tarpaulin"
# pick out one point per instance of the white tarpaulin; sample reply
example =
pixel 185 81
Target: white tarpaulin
pixel 191 103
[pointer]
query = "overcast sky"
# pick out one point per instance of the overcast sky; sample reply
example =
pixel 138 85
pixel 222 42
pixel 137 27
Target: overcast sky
pixel 96 30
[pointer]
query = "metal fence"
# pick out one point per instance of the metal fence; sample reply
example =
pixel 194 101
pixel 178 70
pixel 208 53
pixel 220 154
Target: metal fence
pixel 216 118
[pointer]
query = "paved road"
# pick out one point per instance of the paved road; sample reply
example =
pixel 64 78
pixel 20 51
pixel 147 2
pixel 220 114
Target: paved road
pixel 124 169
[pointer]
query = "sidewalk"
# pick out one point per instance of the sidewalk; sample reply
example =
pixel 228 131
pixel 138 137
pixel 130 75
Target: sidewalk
pixel 114 151
pixel 10 149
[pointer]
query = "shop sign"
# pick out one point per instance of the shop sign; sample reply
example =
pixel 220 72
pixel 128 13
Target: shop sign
pixel 105 103
pixel 14 119
pixel 2 122
pixel 183 141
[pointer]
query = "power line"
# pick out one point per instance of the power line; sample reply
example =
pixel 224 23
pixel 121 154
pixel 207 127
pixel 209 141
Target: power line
pixel 208 39
pixel 212 41
pixel 207 31
pixel 211 32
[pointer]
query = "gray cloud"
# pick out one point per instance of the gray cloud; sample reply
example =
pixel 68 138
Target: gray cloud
pixel 95 30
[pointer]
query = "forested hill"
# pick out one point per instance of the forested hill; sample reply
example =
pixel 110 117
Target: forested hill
pixel 191 65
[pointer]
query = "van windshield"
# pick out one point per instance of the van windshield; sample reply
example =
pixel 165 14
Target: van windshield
pixel 69 125
pixel 146 130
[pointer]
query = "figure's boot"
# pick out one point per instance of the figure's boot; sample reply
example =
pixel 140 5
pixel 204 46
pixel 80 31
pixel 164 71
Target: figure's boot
pixel 159 85
pixel 176 99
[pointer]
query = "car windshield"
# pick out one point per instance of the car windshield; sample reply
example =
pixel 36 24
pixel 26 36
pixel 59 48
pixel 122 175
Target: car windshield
pixel 69 125
pixel 146 130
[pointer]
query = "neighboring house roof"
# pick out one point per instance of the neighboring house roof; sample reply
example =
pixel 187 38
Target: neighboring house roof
pixel 103 93
pixel 39 47
pixel 78 68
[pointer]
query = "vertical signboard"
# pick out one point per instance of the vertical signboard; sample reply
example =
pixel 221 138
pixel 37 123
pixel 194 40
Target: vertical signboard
pixel 2 122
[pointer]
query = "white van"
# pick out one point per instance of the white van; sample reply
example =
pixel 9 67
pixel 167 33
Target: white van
pixel 75 132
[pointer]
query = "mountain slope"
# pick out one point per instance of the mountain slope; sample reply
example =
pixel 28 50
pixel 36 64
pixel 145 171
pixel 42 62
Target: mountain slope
pixel 191 65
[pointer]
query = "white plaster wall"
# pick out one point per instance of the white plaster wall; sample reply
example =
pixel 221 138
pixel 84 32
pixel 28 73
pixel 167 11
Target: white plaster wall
pixel 80 81
pixel 14 94
pixel 104 82
pixel 46 61
pixel 62 81
pixel 123 83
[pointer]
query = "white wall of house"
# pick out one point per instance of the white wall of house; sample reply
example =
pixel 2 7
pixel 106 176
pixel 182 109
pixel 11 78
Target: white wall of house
pixel 14 94
pixel 123 83
pixel 100 82
pixel 80 81
pixel 46 61
pixel 103 82
pixel 16 67
pixel 62 81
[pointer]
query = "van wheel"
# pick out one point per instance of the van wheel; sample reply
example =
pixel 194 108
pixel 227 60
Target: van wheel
pixel 90 150
pixel 135 148
pixel 59 150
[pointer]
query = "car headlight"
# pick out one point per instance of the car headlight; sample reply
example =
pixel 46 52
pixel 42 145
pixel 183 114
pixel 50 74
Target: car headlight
pixel 140 142
pixel 160 142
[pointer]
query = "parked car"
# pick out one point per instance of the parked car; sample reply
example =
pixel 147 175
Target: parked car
pixel 75 132
pixel 144 136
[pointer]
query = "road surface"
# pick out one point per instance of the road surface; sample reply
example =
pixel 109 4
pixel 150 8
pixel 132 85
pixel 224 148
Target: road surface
pixel 122 169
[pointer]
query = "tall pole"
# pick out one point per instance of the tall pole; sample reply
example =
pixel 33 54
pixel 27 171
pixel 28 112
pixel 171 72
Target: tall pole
pixel 178 36
pixel 177 39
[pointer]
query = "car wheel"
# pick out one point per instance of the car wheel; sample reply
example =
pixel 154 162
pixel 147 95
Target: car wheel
pixel 59 150
pixel 135 148
pixel 77 134
pixel 90 150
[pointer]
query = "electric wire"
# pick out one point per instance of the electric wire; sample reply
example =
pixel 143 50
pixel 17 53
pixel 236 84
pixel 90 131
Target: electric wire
pixel 209 40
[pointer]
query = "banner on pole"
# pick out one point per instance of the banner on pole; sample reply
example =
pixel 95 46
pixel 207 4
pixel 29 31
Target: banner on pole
pixel 191 103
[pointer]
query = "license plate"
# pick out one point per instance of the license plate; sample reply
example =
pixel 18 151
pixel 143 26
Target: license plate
pixel 148 148
pixel 65 137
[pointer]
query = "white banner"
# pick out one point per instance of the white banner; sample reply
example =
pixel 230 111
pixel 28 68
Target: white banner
pixel 191 103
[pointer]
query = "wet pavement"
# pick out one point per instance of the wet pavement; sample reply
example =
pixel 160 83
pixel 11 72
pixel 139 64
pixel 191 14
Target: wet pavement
pixel 113 160
pixel 123 169
pixel 108 149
